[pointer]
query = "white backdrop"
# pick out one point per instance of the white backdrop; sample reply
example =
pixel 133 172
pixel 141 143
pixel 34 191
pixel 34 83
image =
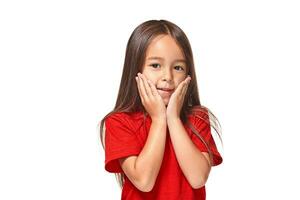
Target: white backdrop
pixel 61 64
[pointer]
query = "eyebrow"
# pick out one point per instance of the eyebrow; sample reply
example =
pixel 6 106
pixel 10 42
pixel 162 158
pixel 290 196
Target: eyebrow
pixel 160 58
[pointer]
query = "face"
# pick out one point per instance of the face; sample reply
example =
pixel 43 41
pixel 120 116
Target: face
pixel 165 65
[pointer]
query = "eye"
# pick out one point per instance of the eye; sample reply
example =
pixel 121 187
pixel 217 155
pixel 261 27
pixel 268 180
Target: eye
pixel 179 68
pixel 154 65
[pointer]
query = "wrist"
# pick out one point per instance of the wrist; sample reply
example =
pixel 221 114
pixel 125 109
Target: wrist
pixel 159 119
pixel 173 119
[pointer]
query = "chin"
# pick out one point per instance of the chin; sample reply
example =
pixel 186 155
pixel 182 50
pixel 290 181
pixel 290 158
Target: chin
pixel 166 101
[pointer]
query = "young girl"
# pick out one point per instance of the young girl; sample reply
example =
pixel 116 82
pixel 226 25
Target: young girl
pixel 157 139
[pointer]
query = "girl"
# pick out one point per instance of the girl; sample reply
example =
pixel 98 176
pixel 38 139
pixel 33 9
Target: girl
pixel 157 139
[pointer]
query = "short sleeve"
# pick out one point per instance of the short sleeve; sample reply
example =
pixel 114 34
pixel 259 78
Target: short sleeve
pixel 203 127
pixel 120 141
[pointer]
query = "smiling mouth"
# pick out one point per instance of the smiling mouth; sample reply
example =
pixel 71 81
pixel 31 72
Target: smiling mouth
pixel 165 92
pixel 165 89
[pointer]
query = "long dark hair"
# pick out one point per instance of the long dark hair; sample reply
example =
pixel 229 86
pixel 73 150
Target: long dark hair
pixel 128 99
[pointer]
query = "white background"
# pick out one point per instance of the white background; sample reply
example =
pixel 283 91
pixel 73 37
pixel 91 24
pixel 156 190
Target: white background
pixel 61 64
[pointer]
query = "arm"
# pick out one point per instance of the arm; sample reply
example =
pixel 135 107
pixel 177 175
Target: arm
pixel 142 170
pixel 194 164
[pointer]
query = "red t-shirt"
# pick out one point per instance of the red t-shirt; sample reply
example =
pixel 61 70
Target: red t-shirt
pixel 126 135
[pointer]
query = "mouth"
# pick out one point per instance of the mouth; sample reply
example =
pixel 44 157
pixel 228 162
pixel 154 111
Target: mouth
pixel 166 89
pixel 166 92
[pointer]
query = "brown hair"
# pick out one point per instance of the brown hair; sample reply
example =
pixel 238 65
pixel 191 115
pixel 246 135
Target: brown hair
pixel 128 99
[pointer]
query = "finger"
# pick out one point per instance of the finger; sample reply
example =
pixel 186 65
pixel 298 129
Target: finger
pixel 180 88
pixel 142 88
pixel 139 89
pixel 185 88
pixel 146 85
pixel 187 81
pixel 153 88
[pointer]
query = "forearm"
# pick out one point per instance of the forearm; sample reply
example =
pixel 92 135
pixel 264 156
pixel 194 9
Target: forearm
pixel 150 158
pixel 192 162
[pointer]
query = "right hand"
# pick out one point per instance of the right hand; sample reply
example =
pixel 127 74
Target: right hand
pixel 150 98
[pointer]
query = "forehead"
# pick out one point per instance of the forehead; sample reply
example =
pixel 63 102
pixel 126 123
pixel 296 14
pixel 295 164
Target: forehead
pixel 166 47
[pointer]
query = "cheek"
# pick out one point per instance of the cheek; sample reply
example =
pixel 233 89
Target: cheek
pixel 150 77
pixel 179 80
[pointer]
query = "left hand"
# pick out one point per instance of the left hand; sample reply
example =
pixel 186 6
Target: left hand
pixel 177 98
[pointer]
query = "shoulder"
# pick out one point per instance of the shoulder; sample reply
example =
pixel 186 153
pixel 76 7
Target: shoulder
pixel 199 113
pixel 123 118
pixel 125 115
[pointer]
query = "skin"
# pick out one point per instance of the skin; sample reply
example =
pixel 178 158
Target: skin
pixel 164 110
pixel 164 71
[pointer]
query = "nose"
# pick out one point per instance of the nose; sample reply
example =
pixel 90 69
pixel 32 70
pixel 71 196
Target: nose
pixel 167 75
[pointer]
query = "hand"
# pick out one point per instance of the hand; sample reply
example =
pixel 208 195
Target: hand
pixel 177 99
pixel 150 98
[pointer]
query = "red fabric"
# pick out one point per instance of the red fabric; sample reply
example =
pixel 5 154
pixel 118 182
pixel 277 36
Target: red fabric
pixel 126 135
